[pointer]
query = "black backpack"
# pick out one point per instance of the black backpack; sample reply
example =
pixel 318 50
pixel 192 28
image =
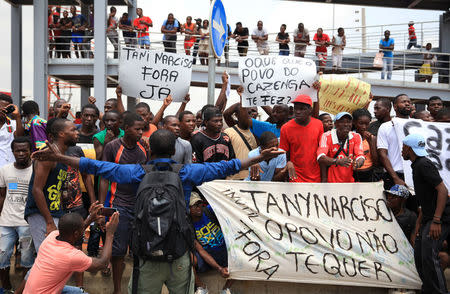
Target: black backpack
pixel 161 228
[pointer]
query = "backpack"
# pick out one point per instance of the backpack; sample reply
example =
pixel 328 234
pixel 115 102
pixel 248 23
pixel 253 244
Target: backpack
pixel 161 228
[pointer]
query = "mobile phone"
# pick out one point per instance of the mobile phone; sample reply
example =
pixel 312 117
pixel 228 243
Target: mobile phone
pixel 107 211
pixel 10 109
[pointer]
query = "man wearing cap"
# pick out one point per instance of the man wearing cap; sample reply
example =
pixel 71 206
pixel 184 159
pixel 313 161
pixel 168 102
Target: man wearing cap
pixel 434 225
pixel 300 139
pixel 412 36
pixel 340 151
pixel 211 250
pixel 396 199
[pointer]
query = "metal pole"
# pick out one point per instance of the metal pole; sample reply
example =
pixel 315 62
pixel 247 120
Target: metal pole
pixel 16 56
pixel 364 36
pixel 100 63
pixel 40 61
pixel 211 70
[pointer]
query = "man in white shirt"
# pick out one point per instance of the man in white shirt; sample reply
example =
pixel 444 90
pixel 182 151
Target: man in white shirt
pixel 389 150
pixel 8 128
pixel 260 36
pixel 14 181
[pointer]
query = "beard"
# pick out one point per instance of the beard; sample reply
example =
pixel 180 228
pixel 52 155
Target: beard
pixel 404 111
pixel 70 143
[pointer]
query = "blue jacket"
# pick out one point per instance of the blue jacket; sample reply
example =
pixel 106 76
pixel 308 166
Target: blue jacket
pixel 190 175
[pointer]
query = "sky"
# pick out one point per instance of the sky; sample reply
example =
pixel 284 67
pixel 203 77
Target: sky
pixel 272 12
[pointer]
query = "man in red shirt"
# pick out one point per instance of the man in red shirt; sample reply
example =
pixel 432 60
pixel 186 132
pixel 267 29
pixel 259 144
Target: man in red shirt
pixel 141 24
pixel 340 151
pixel 322 42
pixel 300 139
pixel 412 36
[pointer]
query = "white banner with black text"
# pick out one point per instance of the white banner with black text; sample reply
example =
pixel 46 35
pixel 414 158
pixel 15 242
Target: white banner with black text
pixel 340 234
pixel 437 141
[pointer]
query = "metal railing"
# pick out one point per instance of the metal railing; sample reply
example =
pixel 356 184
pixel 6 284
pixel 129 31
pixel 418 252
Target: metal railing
pixel 358 59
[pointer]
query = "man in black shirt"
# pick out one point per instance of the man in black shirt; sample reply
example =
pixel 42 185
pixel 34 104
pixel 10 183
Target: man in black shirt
pixel 283 41
pixel 396 199
pixel 240 34
pixel 432 196
pixel 382 111
pixel 211 144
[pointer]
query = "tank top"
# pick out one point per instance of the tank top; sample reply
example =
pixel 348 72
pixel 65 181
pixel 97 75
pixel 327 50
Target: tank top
pixel 191 29
pixel 337 41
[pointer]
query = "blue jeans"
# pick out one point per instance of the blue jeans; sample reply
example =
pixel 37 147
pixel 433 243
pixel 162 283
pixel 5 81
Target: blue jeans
pixel 284 52
pixel 145 40
pixel 388 64
pixel 72 290
pixel 8 238
pixel 413 43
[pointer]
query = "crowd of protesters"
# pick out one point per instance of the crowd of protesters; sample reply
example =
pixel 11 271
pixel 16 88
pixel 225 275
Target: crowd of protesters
pixel 47 203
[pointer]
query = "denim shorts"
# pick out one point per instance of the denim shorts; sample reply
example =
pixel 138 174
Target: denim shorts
pixel 8 238
pixel 122 236
pixel 220 256
pixel 145 40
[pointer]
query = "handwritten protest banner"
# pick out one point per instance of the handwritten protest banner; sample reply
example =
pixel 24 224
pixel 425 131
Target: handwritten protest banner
pixel 271 80
pixel 343 94
pixel 437 140
pixel 153 74
pixel 340 234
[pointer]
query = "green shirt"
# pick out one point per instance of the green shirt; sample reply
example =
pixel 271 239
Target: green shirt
pixel 100 136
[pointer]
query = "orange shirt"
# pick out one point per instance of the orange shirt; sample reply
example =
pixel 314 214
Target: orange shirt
pixel 146 135
pixel 302 143
pixel 189 30
pixel 329 146
pixel 136 23
pixel 366 150
pixel 54 264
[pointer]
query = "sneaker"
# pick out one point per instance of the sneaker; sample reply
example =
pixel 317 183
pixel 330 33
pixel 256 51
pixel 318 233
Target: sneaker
pixel 226 291
pixel 201 290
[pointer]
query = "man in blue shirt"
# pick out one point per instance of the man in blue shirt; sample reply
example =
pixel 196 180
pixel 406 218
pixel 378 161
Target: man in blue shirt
pixel 268 170
pixel 169 29
pixel 387 45
pixel 162 144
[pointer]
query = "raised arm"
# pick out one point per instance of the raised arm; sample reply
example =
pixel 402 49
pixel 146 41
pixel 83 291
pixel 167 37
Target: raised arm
pixel 221 102
pixel 120 107
pixel 160 114
pixel 182 108
pixel 228 114
pixel 244 120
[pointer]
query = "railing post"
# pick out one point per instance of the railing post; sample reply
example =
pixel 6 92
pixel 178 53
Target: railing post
pixel 404 65
pixel 421 34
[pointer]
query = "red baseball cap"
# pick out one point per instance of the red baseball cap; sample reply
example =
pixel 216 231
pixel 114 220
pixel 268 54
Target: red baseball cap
pixel 303 99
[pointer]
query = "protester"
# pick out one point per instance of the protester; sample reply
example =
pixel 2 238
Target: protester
pixel 388 148
pixel 183 149
pixel 423 115
pixel 89 33
pixel 189 30
pixel 48 184
pixel 395 200
pixel 61 108
pixel 141 25
pixel 198 119
pixel 35 126
pixel 63 42
pixel 8 128
pixel 327 122
pixel 143 110
pixel 198 26
pixel 111 30
pixel 129 36
pixel 260 36
pixel 125 150
pixel 14 181
pixel 382 111
pixel 412 36
pixel 338 42
pixel 211 144
pixel 170 28
pixel 340 151
pixel 241 138
pixel 203 44
pixel 187 125
pixel 210 247
pixel 240 34
pixel 361 121
pixel 300 139
pixel 434 104
pixel 387 45
pixel 162 143
pixel 78 27
pixel 434 218
pixel 301 40
pixel 428 65
pixel 322 41
pixel 58 259
pixel 443 115
pixel 283 40
pixel 274 169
